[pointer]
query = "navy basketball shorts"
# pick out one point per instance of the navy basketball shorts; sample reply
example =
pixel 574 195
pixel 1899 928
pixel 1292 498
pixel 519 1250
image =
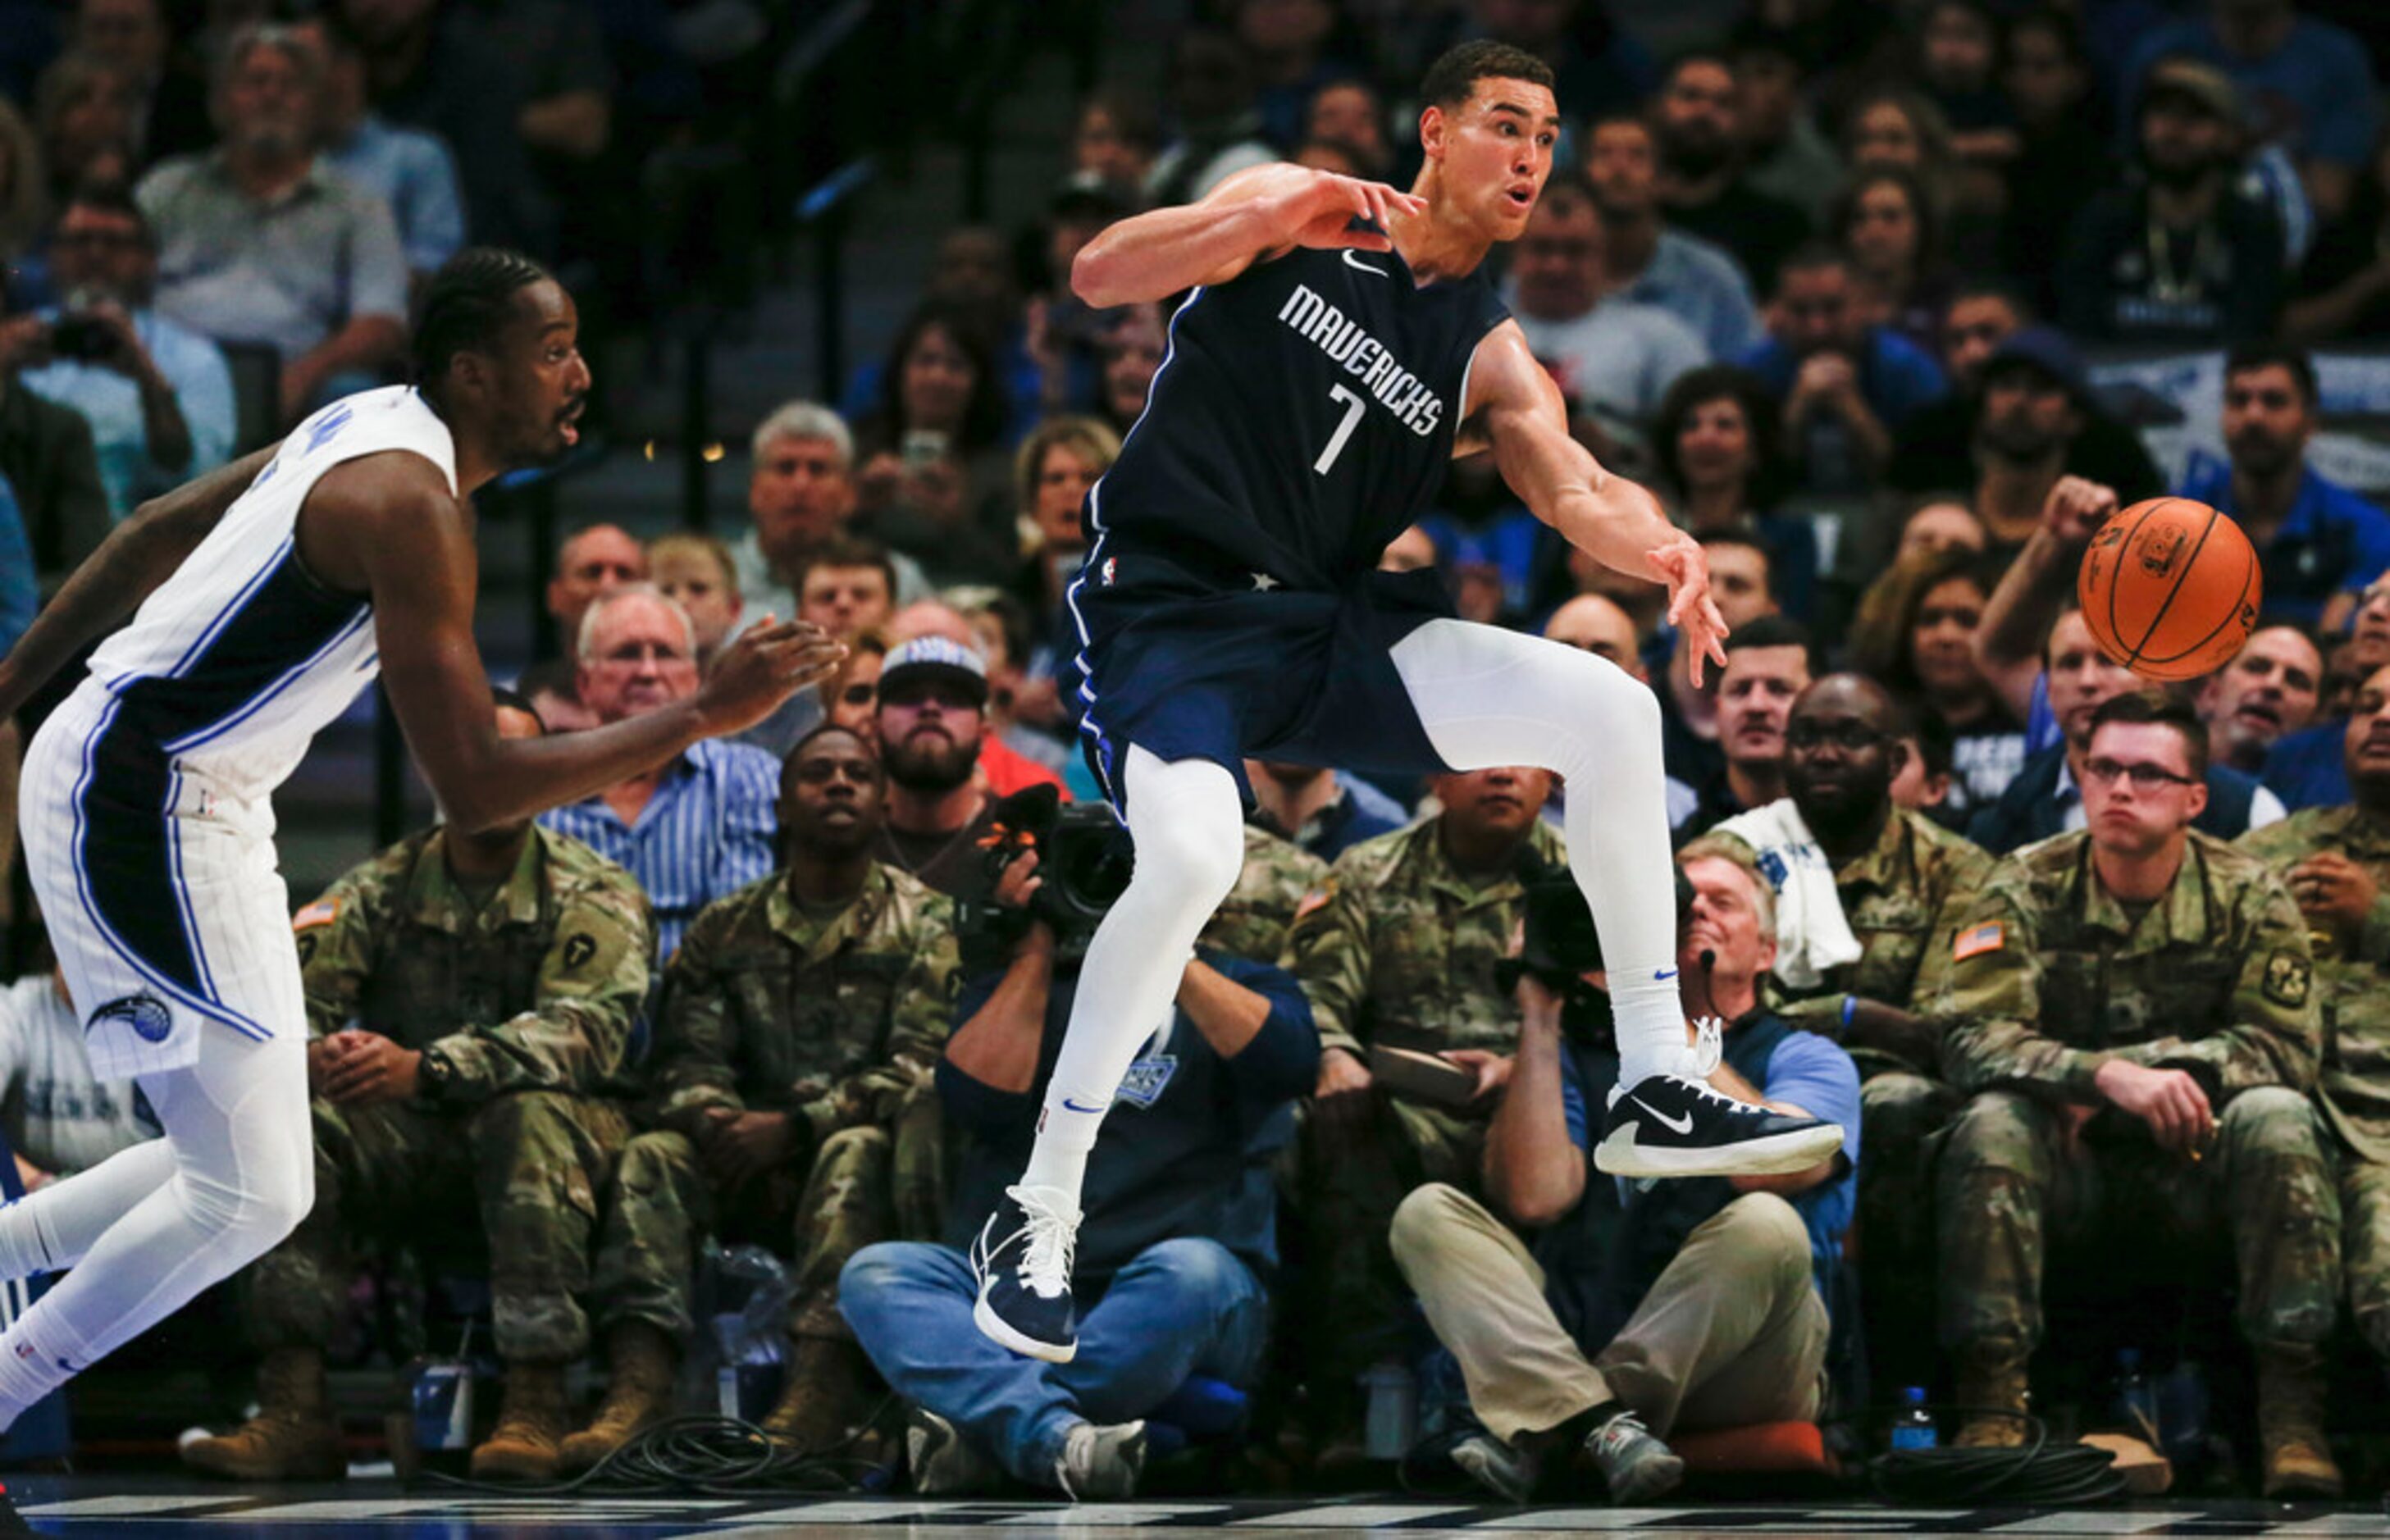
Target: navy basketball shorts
pixel 1187 667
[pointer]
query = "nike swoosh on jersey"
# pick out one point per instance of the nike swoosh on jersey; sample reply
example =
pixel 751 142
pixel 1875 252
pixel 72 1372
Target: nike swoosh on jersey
pixel 1070 1106
pixel 1681 1123
pixel 1353 259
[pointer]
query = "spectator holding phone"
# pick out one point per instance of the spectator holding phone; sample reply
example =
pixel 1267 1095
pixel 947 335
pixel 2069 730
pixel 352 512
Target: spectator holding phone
pixel 158 395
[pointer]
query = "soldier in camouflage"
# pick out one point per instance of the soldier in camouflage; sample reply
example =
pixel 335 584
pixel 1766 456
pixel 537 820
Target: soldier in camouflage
pixel 1252 922
pixel 1902 882
pixel 2131 1010
pixel 2336 863
pixel 800 1017
pixel 1399 951
pixel 469 998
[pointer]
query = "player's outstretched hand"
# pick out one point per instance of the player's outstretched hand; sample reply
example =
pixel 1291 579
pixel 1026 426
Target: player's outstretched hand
pixel 766 664
pixel 2075 508
pixel 1686 570
pixel 1319 213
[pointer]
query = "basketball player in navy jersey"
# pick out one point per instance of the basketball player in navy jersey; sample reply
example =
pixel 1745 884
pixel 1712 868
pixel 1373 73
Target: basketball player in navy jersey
pixel 1337 348
pixel 269 595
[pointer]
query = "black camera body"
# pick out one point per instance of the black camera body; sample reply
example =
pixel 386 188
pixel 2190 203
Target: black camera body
pixel 1083 862
pixel 85 338
pixel 1561 944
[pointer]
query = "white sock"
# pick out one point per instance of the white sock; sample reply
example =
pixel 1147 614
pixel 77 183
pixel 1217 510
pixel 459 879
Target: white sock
pixel 1489 697
pixel 240 1148
pixel 1188 822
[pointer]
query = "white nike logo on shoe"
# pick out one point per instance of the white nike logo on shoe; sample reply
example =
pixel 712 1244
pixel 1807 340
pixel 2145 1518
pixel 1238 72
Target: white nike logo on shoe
pixel 1352 259
pixel 1680 1125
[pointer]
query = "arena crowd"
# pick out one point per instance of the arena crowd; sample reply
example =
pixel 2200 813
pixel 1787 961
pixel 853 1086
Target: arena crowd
pixel 1892 304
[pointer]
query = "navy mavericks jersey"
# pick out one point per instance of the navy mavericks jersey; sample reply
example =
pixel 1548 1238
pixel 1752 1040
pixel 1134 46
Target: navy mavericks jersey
pixel 1302 418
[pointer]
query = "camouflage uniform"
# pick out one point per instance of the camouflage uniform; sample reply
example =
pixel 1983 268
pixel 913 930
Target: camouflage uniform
pixel 1399 950
pixel 2353 978
pixel 2051 978
pixel 1278 875
pixel 836 1019
pixel 1902 900
pixel 531 996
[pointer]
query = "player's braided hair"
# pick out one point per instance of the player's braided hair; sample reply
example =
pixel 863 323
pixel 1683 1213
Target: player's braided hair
pixel 467 303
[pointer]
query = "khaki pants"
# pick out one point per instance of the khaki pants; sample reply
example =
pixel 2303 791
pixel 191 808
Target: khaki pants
pixel 1732 1333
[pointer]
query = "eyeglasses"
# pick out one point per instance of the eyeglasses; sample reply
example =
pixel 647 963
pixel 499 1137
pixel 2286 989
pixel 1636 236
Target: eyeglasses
pixel 1850 735
pixel 858 695
pixel 633 654
pixel 2144 775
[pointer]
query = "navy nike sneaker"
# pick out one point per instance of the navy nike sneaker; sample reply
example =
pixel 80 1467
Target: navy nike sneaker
pixel 1022 1262
pixel 1677 1125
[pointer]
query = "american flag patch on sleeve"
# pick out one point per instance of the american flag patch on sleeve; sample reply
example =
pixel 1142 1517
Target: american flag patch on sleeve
pixel 322 912
pixel 1990 936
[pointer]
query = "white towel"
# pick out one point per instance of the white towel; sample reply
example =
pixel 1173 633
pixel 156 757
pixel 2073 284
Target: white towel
pixel 1811 933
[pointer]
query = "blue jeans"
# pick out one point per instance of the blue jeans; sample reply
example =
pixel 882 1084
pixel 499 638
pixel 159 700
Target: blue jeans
pixel 1179 1307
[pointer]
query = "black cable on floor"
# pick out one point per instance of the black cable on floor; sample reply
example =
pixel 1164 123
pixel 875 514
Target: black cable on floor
pixel 2035 1472
pixel 715 1455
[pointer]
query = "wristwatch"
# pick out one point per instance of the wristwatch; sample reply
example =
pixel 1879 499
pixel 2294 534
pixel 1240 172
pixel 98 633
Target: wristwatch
pixel 435 1076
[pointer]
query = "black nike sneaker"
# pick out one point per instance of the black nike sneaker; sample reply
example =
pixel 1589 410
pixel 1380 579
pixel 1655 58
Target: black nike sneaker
pixel 1022 1262
pixel 11 1521
pixel 1668 1125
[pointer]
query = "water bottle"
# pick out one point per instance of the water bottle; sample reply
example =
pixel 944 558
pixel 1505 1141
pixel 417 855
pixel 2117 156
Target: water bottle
pixel 1912 1427
pixel 2137 1400
pixel 1391 1425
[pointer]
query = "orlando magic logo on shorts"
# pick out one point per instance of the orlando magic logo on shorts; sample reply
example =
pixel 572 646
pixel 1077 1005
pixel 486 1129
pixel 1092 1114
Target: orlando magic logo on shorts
pixel 145 1014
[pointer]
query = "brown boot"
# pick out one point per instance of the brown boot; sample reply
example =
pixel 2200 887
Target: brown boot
pixel 641 1365
pixel 1992 1398
pixel 294 1436
pixel 2290 1424
pixel 531 1423
pixel 822 1395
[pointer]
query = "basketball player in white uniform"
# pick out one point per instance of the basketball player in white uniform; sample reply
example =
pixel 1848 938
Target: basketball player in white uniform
pixel 270 594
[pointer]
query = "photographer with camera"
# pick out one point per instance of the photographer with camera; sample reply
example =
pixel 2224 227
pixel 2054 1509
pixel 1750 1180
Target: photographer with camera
pixel 51 474
pixel 1178 1242
pixel 1640 1308
pixel 158 395
pixel 798 1018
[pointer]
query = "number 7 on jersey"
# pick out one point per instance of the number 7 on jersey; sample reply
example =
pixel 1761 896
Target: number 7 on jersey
pixel 1353 404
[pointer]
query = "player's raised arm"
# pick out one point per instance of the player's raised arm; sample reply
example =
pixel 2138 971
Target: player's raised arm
pixel 387 524
pixel 1252 214
pixel 136 557
pixel 1514 406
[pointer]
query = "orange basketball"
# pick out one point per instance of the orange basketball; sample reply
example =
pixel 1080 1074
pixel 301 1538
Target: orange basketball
pixel 2170 588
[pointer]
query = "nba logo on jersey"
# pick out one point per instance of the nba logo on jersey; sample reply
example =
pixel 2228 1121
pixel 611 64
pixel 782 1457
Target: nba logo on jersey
pixel 1111 570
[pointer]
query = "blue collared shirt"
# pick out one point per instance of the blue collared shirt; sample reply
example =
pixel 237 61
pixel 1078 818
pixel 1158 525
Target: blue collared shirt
pixel 19 598
pixel 194 369
pixel 710 830
pixel 2331 542
pixel 1702 286
pixel 1807 1071
pixel 413 171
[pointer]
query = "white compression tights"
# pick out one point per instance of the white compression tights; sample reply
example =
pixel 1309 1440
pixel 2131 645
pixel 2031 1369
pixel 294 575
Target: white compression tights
pixel 1488 698
pixel 150 1227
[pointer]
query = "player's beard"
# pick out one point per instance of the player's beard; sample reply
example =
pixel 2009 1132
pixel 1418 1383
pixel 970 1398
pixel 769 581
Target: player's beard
pixel 2019 442
pixel 927 765
pixel 2261 454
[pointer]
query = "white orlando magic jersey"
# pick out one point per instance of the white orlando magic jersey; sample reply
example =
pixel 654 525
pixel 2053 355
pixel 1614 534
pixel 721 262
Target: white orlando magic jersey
pixel 237 659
